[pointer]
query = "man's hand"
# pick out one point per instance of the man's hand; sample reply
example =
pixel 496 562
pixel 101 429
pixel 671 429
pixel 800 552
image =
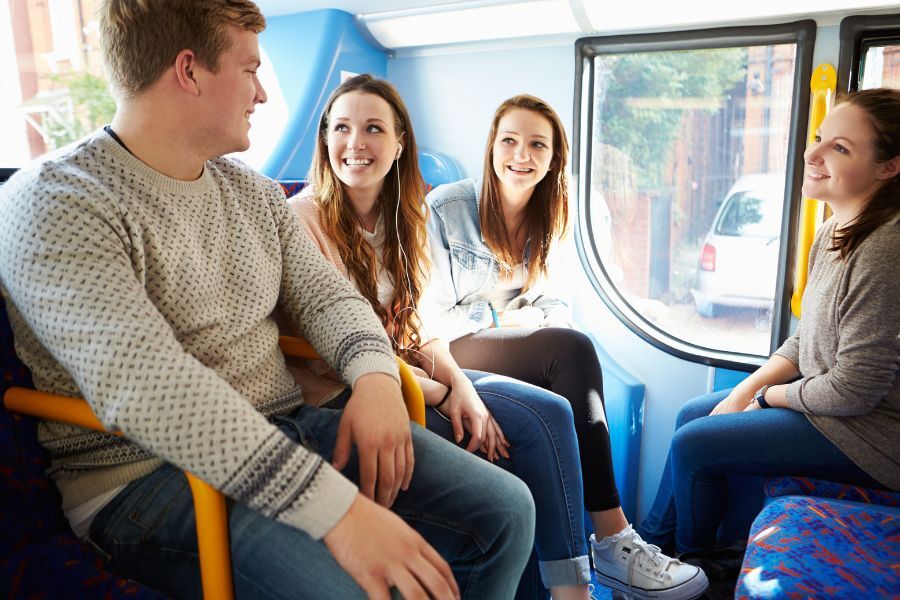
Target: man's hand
pixel 379 550
pixel 376 420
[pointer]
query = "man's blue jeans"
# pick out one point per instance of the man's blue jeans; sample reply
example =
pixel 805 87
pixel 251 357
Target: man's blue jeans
pixel 544 454
pixel 693 492
pixel 479 518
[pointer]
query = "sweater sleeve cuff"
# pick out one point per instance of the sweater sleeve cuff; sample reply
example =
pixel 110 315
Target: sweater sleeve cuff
pixel 322 510
pixel 371 362
pixel 793 394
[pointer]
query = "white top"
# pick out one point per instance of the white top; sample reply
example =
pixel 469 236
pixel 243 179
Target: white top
pixel 385 285
pixel 509 286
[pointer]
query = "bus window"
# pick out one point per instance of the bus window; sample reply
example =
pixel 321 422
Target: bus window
pixel 870 52
pixel 55 91
pixel 689 154
pixel 58 92
pixel 880 65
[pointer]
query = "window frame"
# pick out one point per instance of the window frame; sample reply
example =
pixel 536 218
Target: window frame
pixel 6 173
pixel 856 35
pixel 803 34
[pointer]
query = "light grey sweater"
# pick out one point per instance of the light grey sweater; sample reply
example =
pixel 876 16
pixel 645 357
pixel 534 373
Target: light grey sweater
pixel 152 299
pixel 848 350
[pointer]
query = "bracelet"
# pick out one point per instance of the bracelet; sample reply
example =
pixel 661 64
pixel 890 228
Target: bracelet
pixel 444 399
pixel 761 397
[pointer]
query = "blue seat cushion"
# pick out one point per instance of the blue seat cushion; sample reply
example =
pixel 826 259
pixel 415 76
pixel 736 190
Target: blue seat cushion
pixel 807 486
pixel 810 547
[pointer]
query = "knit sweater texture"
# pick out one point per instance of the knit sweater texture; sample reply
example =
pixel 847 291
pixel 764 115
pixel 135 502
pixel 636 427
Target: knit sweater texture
pixel 847 349
pixel 152 298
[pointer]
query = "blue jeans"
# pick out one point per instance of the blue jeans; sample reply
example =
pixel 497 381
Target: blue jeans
pixel 479 518
pixel 544 454
pixel 705 450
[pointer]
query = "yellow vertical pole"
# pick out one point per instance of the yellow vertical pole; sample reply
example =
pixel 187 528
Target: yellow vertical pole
pixel 212 540
pixel 822 87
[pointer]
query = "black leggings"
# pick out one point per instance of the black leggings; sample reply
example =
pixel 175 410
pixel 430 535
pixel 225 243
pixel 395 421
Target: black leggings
pixel 564 362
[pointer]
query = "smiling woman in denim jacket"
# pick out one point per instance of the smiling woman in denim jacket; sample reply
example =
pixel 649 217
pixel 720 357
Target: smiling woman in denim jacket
pixel 496 258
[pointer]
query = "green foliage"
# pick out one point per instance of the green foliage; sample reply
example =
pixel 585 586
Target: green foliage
pixel 91 106
pixel 642 98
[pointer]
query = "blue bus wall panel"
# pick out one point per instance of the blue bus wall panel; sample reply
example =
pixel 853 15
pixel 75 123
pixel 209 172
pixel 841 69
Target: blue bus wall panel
pixel 309 51
pixel 726 378
pixel 623 395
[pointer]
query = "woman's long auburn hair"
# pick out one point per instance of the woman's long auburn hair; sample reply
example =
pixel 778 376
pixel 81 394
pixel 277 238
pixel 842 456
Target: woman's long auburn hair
pixel 409 272
pixel 547 213
pixel 882 107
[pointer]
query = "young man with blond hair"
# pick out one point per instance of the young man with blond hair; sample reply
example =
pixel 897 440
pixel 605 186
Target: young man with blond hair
pixel 141 270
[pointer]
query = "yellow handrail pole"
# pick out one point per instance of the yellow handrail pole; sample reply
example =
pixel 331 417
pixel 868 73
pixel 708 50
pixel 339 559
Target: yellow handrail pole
pixel 412 393
pixel 297 347
pixel 212 539
pixel 822 87
pixel 409 385
pixel 52 407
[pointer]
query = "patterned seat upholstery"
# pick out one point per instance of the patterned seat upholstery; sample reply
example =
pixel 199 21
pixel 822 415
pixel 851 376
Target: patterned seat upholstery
pixel 839 542
pixel 40 557
pixel 292 187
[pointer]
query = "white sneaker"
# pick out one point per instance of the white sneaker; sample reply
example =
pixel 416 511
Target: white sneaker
pixel 627 563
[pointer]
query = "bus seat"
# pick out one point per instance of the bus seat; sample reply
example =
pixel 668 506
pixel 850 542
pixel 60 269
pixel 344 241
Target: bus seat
pixel 292 187
pixel 438 168
pixel 623 395
pixel 39 555
pixel 822 539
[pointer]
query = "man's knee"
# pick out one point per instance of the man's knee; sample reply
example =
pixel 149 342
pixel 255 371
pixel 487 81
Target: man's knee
pixel 514 513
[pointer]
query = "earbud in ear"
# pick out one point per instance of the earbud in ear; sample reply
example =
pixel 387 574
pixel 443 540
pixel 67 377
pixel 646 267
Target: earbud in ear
pixel 399 151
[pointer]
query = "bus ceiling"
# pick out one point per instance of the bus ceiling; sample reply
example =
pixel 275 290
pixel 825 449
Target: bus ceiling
pixel 400 24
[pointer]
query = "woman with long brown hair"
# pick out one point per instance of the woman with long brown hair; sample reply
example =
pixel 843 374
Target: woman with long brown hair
pixel 827 403
pixel 496 245
pixel 366 212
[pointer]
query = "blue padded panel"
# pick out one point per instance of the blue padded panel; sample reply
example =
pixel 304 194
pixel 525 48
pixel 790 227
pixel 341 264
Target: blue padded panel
pixel 726 378
pixel 807 547
pixel 308 51
pixel 624 398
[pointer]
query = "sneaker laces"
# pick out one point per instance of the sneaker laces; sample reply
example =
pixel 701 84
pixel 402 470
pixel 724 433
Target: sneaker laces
pixel 660 561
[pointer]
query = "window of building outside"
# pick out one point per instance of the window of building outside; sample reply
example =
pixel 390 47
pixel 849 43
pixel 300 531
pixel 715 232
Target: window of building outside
pixel 689 152
pixel 55 90
pixel 880 65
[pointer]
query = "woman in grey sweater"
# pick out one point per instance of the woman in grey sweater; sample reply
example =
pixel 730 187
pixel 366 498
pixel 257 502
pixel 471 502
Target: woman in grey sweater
pixel 827 403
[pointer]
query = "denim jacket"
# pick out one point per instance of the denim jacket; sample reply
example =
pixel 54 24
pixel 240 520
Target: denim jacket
pixel 464 269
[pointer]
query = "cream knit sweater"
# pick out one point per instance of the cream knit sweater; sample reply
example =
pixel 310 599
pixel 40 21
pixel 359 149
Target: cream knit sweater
pixel 152 298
